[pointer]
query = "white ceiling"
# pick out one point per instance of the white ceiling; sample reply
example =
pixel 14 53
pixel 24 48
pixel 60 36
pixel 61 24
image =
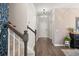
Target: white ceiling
pixel 49 6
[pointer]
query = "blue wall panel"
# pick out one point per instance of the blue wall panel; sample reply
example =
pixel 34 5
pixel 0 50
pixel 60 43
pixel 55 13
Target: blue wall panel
pixel 3 29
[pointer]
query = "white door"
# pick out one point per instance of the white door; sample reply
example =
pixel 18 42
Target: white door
pixel 42 27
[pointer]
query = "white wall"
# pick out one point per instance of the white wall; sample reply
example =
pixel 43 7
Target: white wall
pixel 64 18
pixel 20 15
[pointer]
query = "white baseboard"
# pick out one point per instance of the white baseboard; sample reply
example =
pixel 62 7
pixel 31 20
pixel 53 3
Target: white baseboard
pixel 58 44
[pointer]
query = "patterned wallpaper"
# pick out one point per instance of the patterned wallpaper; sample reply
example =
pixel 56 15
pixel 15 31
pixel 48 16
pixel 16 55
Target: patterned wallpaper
pixel 3 29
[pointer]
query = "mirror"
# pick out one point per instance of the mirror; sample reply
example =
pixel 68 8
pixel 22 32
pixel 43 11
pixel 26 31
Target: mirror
pixel 77 24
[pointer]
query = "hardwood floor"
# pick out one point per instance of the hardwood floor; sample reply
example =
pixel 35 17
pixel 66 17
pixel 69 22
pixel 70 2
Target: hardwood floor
pixel 44 47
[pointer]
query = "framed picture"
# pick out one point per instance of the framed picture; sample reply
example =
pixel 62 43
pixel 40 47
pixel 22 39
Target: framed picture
pixel 77 23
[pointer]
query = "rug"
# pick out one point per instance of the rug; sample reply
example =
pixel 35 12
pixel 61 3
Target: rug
pixel 71 52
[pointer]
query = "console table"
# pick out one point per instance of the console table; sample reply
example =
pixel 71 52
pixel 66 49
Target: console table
pixel 74 43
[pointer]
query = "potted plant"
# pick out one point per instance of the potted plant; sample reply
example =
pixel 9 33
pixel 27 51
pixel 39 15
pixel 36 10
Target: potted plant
pixel 67 40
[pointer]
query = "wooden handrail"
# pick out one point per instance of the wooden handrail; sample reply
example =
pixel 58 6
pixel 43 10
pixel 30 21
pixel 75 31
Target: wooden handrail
pixel 11 24
pixel 31 30
pixel 14 30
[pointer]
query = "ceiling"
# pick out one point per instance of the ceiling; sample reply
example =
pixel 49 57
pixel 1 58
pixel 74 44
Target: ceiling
pixel 49 6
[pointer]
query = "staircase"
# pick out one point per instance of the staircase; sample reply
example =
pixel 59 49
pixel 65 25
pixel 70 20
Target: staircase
pixel 17 42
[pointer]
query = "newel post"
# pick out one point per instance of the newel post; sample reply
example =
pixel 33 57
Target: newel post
pixel 25 39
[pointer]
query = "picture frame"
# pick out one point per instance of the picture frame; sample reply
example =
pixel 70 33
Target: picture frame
pixel 77 23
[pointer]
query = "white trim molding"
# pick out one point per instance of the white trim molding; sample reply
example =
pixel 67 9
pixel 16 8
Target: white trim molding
pixel 59 45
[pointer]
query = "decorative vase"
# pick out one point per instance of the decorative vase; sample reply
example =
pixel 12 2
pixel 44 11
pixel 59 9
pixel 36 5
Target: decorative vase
pixel 67 43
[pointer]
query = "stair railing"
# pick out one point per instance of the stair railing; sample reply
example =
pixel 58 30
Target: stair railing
pixel 22 40
pixel 35 36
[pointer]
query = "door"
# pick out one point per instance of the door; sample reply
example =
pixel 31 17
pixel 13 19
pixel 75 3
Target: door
pixel 43 27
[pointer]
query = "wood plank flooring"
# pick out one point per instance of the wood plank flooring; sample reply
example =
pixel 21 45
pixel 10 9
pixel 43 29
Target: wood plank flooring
pixel 44 47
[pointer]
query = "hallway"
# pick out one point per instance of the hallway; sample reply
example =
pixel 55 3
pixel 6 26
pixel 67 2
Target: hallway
pixel 38 29
pixel 46 21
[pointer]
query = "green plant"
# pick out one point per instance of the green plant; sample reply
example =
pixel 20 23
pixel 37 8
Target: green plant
pixel 67 38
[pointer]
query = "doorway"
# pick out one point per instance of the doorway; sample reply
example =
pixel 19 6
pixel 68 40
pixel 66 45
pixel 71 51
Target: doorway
pixel 43 37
